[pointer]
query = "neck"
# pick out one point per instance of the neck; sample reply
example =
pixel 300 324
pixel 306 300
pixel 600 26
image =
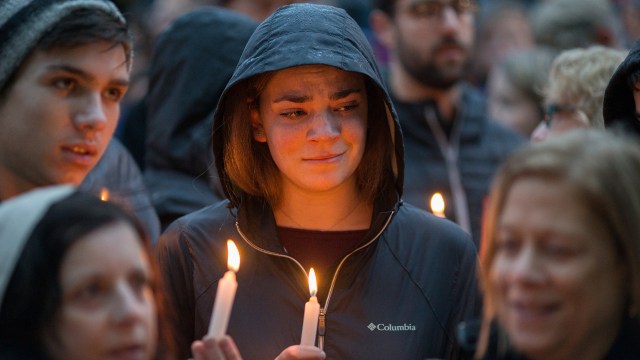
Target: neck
pixel 334 210
pixel 11 186
pixel 407 89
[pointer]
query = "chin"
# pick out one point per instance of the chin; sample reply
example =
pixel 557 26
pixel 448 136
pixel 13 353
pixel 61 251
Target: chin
pixel 535 345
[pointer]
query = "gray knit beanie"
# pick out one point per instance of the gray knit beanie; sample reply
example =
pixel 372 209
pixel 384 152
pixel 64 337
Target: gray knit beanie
pixel 24 22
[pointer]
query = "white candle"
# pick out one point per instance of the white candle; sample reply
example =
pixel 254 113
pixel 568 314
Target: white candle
pixel 225 294
pixel 437 205
pixel 311 313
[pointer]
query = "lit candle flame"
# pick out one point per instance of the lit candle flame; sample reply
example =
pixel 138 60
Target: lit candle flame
pixel 313 285
pixel 104 194
pixel 233 257
pixel 437 204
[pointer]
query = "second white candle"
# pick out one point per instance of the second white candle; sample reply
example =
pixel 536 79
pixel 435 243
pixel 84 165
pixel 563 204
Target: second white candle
pixel 311 313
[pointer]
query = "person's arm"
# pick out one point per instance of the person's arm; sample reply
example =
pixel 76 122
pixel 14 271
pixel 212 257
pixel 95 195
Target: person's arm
pixel 176 270
pixel 468 298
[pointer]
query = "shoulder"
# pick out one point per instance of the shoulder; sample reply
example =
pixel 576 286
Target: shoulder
pixel 427 233
pixel 197 226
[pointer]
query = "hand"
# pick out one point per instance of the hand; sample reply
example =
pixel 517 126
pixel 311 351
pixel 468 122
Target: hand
pixel 302 352
pixel 210 349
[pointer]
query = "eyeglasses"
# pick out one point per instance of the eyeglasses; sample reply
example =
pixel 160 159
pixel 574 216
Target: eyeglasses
pixel 435 8
pixel 558 113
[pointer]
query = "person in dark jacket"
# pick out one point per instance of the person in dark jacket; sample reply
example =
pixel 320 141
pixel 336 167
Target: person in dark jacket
pixel 560 256
pixel 451 146
pixel 621 106
pixel 193 61
pixel 64 70
pixel 116 177
pixel 310 155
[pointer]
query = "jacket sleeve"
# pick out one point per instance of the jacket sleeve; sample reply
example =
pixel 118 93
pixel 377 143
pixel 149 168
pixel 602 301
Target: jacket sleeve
pixel 176 272
pixel 467 296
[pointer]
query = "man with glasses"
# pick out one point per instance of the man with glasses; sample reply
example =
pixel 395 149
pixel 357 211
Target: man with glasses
pixel 451 147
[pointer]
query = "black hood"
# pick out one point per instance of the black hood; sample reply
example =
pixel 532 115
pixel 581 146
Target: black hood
pixel 619 108
pixel 335 40
pixel 189 69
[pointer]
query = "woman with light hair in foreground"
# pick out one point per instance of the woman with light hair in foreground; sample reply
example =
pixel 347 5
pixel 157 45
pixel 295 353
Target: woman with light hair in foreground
pixel 560 258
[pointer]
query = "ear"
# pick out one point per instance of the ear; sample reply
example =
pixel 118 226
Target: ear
pixel 256 125
pixel 382 26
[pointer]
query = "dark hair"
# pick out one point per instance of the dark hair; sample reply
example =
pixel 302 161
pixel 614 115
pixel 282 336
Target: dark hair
pixel 33 295
pixel 386 6
pixel 249 163
pixel 633 78
pixel 81 27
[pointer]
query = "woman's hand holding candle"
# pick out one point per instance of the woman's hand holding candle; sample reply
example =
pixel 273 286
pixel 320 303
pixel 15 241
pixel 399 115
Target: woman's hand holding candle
pixel 212 349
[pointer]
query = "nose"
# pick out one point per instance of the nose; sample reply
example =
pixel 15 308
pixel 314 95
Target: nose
pixel 324 126
pixel 450 19
pixel 540 132
pixel 128 305
pixel 90 115
pixel 526 267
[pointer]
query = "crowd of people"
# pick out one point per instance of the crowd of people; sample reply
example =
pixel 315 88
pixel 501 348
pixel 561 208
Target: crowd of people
pixel 138 137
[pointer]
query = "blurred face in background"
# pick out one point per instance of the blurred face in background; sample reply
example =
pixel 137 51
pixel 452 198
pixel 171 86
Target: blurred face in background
pixel 509 105
pixel 556 278
pixel 561 115
pixel 108 309
pixel 433 39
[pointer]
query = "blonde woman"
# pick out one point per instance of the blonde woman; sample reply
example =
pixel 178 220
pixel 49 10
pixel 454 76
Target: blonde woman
pixel 560 256
pixel 574 94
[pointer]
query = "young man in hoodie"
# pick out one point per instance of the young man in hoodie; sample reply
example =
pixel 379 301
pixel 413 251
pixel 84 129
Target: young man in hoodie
pixel 310 156
pixel 64 70
pixel 451 146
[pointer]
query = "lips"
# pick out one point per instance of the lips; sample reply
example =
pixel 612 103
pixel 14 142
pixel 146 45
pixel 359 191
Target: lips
pixel 81 149
pixel 80 153
pixel 324 157
pixel 528 312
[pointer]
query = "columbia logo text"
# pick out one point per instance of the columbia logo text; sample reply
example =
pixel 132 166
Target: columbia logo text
pixel 389 327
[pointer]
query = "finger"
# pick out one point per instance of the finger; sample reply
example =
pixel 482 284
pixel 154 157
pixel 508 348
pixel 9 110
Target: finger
pixel 197 350
pixel 229 348
pixel 212 349
pixel 302 352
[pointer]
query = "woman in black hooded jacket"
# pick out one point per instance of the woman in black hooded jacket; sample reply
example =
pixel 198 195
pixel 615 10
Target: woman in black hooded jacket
pixel 309 152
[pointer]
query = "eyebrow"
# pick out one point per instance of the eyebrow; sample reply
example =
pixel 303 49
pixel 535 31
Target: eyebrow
pixel 85 75
pixel 292 97
pixel 296 98
pixel 341 94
